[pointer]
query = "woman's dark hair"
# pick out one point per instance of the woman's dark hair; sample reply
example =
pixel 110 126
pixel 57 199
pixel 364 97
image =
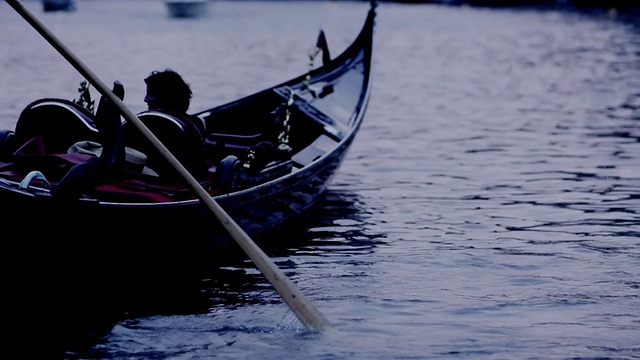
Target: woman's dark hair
pixel 167 90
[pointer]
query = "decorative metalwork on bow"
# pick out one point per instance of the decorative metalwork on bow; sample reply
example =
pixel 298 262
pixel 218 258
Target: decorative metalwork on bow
pixel 85 97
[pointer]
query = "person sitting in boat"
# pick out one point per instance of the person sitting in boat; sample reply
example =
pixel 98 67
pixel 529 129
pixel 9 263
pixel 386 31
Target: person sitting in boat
pixel 168 93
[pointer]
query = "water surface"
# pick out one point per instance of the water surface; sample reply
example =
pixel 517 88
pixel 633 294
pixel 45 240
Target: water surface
pixel 488 209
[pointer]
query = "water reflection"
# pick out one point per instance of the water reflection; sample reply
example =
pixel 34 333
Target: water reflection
pixel 307 247
pixel 629 109
pixel 339 223
pixel 69 308
pixel 72 310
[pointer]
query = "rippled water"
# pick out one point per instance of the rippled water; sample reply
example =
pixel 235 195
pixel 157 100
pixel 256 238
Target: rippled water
pixel 489 207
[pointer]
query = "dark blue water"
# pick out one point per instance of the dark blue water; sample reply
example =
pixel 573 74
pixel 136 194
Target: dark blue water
pixel 488 209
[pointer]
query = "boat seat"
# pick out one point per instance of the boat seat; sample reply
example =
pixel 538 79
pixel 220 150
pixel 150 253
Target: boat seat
pixel 322 145
pixel 7 144
pixel 61 122
pixel 232 174
pixel 221 145
pixel 178 135
pixel 255 128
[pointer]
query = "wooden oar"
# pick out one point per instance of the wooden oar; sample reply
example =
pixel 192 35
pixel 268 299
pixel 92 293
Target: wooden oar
pixel 298 303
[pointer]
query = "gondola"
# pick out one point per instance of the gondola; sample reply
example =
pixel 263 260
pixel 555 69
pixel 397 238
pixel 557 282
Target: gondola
pixel 269 156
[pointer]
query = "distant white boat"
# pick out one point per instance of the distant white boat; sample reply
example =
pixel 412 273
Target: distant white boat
pixel 187 8
pixel 58 5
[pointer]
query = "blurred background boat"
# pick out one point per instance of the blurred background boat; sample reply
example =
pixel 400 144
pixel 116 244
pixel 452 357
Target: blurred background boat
pixel 59 5
pixel 187 8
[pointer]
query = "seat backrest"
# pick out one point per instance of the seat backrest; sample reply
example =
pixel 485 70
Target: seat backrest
pixel 61 122
pixel 177 134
